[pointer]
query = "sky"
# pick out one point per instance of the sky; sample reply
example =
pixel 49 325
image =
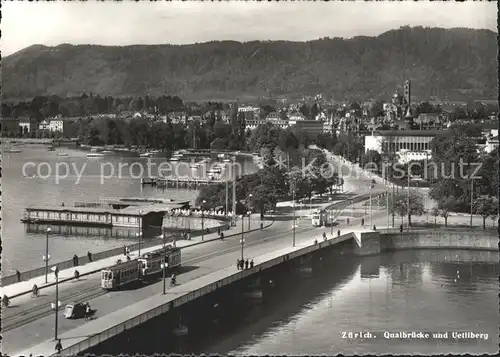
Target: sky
pixel 126 23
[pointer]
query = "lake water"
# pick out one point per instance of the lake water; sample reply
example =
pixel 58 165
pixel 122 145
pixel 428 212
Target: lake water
pixel 104 177
pixel 421 291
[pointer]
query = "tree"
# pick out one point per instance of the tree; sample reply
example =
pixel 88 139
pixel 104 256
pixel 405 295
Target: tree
pixel 435 212
pixel 446 205
pixel 454 153
pixel 376 109
pixel 373 158
pixel 400 205
pixel 485 206
pixel 297 182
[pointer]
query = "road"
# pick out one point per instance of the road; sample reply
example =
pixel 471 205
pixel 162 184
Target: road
pixel 37 323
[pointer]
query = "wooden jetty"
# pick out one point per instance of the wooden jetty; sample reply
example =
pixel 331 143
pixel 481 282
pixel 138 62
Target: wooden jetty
pixel 188 182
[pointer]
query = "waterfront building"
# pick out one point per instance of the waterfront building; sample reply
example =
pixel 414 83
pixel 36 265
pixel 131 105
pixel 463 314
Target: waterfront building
pixel 56 125
pixel 27 125
pixel 408 144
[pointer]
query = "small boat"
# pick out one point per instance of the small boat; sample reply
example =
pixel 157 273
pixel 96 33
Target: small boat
pixel 62 154
pixel 12 151
pixel 146 154
pixel 108 152
pixel 174 159
pixel 95 154
pixel 226 160
pixel 51 148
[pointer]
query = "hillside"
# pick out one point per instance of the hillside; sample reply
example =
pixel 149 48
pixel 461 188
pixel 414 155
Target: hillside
pixel 457 63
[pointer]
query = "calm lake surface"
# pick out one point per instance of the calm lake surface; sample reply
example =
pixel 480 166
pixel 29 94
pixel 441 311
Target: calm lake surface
pixel 421 291
pixel 101 177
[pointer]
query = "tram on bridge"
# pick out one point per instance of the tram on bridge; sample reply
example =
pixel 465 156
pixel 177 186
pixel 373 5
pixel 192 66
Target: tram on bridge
pixel 322 218
pixel 145 266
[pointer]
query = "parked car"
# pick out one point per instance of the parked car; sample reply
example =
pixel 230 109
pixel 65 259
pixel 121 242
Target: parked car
pixel 74 310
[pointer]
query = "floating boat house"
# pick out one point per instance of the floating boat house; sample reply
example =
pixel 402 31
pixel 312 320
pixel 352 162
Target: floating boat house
pixel 130 213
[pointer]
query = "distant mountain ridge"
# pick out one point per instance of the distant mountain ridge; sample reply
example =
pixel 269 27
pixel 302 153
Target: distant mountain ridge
pixel 454 63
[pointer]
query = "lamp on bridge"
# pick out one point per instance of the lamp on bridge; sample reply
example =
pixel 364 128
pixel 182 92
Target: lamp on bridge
pixel 140 230
pixel 139 235
pixel 57 303
pixel 203 220
pixel 46 257
pixel 249 211
pixel 164 267
pixel 242 240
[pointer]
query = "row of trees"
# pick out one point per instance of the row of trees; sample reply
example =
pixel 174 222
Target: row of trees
pixel 402 206
pixel 291 169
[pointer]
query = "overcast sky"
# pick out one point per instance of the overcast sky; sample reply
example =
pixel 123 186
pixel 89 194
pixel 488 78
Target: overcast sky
pixel 125 23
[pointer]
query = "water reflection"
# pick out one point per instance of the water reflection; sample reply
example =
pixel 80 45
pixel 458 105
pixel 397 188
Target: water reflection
pixel 415 290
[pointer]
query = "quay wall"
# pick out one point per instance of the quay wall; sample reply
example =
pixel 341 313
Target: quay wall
pixel 445 239
pixel 356 243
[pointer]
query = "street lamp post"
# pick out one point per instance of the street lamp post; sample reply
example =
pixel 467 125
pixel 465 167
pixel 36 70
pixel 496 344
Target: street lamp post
pixel 56 307
pixel 293 198
pixel 471 199
pixel 164 268
pixel 331 222
pixel 242 241
pixel 140 230
pixel 47 257
pixel 249 212
pixel 408 203
pixel 203 221
pixel 139 235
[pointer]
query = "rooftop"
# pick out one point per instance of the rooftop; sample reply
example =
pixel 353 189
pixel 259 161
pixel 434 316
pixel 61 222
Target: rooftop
pixel 132 210
pixel 407 132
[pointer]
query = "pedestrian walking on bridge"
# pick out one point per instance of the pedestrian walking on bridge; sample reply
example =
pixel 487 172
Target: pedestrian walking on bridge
pixel 89 255
pixel 242 264
pixel 338 233
pixel 18 274
pixel 75 260
pixel 362 221
pixel 238 264
pixel 251 263
pixel 246 264
pixel 348 221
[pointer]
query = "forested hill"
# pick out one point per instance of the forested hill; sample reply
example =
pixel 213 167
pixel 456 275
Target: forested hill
pixel 454 63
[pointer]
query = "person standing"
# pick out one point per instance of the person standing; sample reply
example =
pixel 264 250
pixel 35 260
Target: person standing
pixel 18 274
pixel 251 263
pixel 246 264
pixel 238 264
pixel 89 255
pixel 58 347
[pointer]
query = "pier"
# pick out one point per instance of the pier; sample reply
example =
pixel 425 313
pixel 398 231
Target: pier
pixel 188 182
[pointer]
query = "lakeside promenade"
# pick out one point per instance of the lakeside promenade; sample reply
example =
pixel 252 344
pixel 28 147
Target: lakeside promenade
pixel 24 287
